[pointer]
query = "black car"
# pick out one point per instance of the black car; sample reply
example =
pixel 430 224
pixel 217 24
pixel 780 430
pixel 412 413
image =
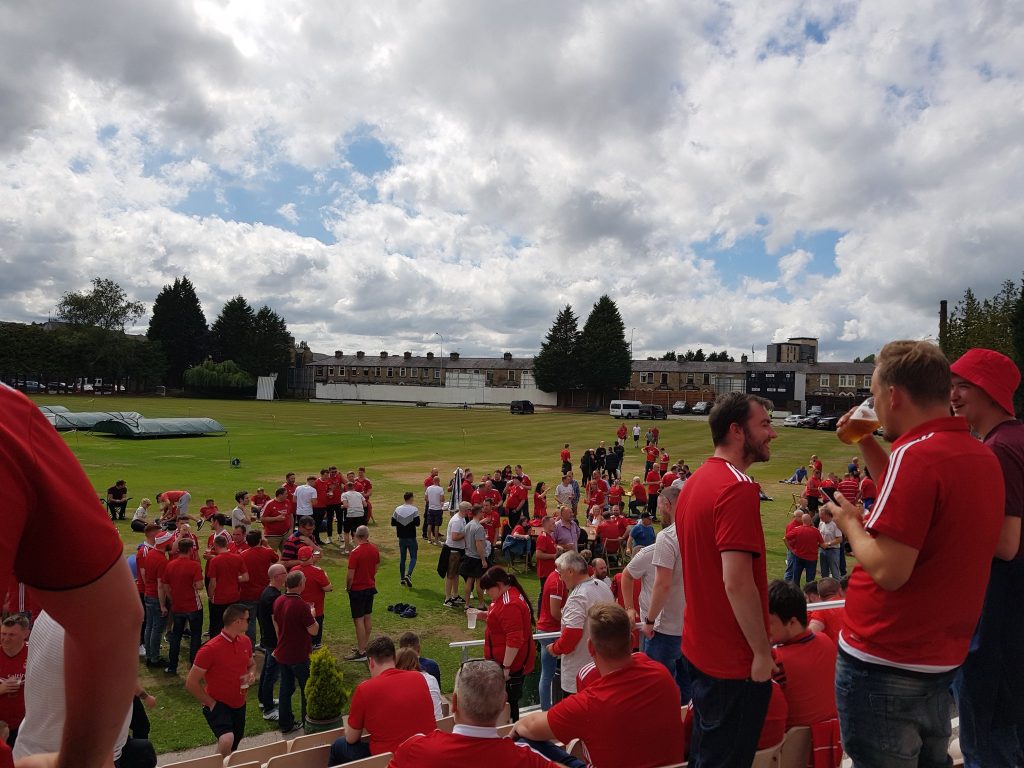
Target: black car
pixel 808 422
pixel 652 412
pixel 703 407
pixel 521 406
pixel 680 407
pixel 827 422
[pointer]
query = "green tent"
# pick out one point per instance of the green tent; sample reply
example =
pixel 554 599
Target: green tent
pixel 141 427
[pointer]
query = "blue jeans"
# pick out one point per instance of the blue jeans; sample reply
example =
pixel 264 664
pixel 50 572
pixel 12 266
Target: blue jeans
pixel 510 547
pixel 810 567
pixel 292 676
pixel 727 719
pixel 547 674
pixel 891 718
pixel 154 628
pixel 268 676
pixel 194 619
pixel 666 650
pixel 407 547
pixel 829 559
pixel 790 574
pixel 343 752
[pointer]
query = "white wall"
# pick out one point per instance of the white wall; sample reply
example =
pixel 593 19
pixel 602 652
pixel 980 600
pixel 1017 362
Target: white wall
pixel 452 395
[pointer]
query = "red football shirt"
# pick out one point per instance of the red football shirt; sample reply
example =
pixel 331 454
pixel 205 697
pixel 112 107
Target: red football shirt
pixel 595 715
pixel 363 563
pixel 151 568
pixel 565 455
pixel 804 540
pixel 438 749
pixel 639 492
pixel 289 489
pixel 12 705
pixel 718 511
pixel 293 619
pixel 927 624
pixel 668 478
pixel 316 582
pixel 850 489
pixel 257 562
pixel 546 545
pixel 807 671
pixel 653 482
pixel 226 568
pixel 274 508
pixel 225 661
pixel 867 488
pixel 508 626
pixel 321 486
pixel 609 529
pixel 180 576
pixel 553 586
pixel 376 702
pixel 652 453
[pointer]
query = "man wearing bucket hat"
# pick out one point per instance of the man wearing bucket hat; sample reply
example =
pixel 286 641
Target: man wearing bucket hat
pixel 989 688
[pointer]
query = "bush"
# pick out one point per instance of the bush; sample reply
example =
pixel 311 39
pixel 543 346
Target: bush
pixel 326 692
pixel 218 375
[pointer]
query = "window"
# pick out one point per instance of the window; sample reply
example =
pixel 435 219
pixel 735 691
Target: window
pixel 823 380
pixel 511 375
pixel 664 379
pixel 707 378
pixel 476 371
pixel 366 371
pixel 414 372
pixel 391 373
pixel 401 372
pixel 437 373
pixel 330 370
pixel 354 371
pixel 867 382
pixel 645 378
pixel 319 370
pixel 689 378
pixel 490 377
pixel 341 370
pixel 847 380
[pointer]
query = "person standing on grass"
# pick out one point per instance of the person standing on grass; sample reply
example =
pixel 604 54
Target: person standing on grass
pixel 240 515
pixel 322 485
pixel 181 581
pixel 566 458
pixel 295 627
pixel 151 563
pixel 434 497
pixel 258 558
pixel 475 561
pixel 354 504
pixel 361 583
pixel 405 520
pixel 277 574
pixel 220 678
pixel 427 482
pixel 226 572
pixel 317 584
pixel 277 519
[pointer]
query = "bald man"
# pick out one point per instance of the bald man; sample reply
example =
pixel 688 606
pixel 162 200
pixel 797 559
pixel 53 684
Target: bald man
pixel 265 613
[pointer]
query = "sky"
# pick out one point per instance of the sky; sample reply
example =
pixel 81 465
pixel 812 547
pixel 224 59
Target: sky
pixel 424 176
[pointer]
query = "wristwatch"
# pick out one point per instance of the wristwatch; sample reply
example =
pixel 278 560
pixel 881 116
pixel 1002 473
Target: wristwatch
pixel 648 620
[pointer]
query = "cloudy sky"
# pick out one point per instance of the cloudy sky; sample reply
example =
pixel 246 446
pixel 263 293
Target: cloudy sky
pixel 730 173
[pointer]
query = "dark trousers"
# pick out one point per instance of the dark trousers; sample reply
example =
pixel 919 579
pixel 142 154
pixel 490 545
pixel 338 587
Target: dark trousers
pixel 194 619
pixel 808 567
pixel 216 619
pixel 426 508
pixel 250 631
pixel 318 638
pixel 117 509
pixel 514 692
pixel 292 676
pixel 342 752
pixel 142 629
pixel 268 676
pixel 332 513
pixel 318 522
pixel 652 504
pixel 636 507
pixel 727 719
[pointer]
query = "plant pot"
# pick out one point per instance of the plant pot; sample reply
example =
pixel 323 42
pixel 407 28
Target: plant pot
pixel 312 725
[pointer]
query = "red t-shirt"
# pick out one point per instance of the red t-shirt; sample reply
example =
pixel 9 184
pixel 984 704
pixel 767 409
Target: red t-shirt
pixel 608 529
pixel 363 564
pixel 274 508
pixel 151 569
pixel 226 568
pixel 1006 441
pixel 595 715
pixel 377 702
pixel 624 524
pixel 491 524
pixel 293 619
pixel 813 488
pixel 467 491
pixel 12 705
pixel 334 489
pixel 514 496
pixel 180 576
pixel 639 492
pixel 225 661
pixel 621 432
pixel 804 540
pixel 615 495
pixel 652 453
pixel 316 582
pixel 834 619
pixel 553 585
pixel 807 672
pixel 663 463
pixel 927 623
pixel 668 478
pixel 565 455
pixel 257 562
pixel 546 545
pixel 850 489
pixel 321 485
pixel 259 499
pixel 45 491
pixel 289 489
pixel 867 488
pixel 718 511
pixel 508 625
pixel 816 465
pixel 653 482
pixel 540 505
pixel 438 749
pixel 207 512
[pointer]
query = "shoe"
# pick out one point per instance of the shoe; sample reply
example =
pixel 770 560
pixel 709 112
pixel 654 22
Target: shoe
pixel 356 656
pixel 271 715
pixel 409 613
pixel 142 650
pixel 408 582
pixel 458 600
pixel 292 728
pixel 317 646
pixel 200 524
pixel 156 663
pixel 170 671
pixel 328 539
pixel 448 602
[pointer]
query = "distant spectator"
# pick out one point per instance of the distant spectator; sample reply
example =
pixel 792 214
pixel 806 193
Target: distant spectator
pixel 408 659
pixel 828 621
pixel 508 639
pixel 296 628
pixel 804 540
pixel 117 501
pixel 180 582
pixel 361 584
pixel 277 574
pixel 412 640
pixel 405 520
pixel 141 517
pixel 642 535
pixel 831 545
pixel 583 592
pixel 13 661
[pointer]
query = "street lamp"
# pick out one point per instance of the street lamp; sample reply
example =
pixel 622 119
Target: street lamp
pixel 440 382
pixel 631 343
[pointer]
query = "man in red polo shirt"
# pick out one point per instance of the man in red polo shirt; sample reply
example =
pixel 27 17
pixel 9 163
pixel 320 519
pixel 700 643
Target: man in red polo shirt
pixel 392 705
pixel 221 676
pixel 322 485
pixel 628 683
pixel 257 558
pixel 515 501
pixel 277 518
pixel 295 626
pixel 989 688
pixel 181 582
pixel 317 585
pixel 226 572
pixel 725 623
pixel 13 660
pixel 151 562
pixel 653 481
pixel 651 456
pixel 915 596
pixel 803 541
pixel 361 584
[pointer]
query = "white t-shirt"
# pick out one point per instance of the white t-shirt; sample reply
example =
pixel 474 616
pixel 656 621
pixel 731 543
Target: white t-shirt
pixel 238 517
pixel 830 532
pixel 140 514
pixel 574 614
pixel 456 525
pixel 641 566
pixel 636 431
pixel 666 555
pixel 565 494
pixel 435 496
pixel 305 495
pixel 405 513
pixel 435 693
pixel 354 502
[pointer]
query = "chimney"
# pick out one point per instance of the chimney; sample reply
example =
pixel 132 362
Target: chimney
pixel 360 355
pixel 430 355
pixel 453 355
pixel 383 355
pixel 507 355
pixel 337 353
pixel 407 355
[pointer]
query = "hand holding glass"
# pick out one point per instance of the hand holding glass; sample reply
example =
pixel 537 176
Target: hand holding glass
pixel 859 423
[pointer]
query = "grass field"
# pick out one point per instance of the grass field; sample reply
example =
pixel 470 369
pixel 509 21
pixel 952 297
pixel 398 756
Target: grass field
pixel 398 446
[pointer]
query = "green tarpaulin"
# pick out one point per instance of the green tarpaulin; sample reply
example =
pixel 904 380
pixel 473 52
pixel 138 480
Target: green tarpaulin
pixel 141 427
pixel 88 419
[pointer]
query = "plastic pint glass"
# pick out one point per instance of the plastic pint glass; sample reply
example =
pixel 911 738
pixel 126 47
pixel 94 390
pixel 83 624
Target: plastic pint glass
pixel 862 422
pixel 471 614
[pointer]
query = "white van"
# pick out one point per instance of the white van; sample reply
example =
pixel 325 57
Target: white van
pixel 624 409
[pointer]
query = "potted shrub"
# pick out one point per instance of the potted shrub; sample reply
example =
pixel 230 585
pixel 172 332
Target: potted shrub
pixel 326 692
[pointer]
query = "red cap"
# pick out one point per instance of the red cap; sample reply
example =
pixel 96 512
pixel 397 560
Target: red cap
pixel 992 372
pixel 305 553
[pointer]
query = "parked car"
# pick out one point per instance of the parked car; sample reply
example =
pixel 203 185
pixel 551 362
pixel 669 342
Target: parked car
pixel 793 420
pixel 703 407
pixel 652 412
pixel 808 422
pixel 31 386
pixel 680 407
pixel 827 422
pixel 814 410
pixel 521 406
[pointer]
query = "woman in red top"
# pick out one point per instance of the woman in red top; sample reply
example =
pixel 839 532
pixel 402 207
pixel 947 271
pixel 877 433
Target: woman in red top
pixel 615 494
pixel 540 500
pixel 639 501
pixel 508 638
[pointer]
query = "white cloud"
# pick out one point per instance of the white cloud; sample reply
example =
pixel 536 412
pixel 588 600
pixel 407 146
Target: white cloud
pixel 289 212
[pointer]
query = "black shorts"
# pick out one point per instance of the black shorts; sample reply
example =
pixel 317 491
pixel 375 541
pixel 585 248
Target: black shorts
pixel 471 568
pixel 434 517
pixel 361 602
pixel 350 524
pixel 224 719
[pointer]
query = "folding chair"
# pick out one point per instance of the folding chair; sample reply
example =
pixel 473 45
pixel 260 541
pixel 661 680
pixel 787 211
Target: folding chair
pixel 261 754
pixel 315 757
pixel 612 552
pixel 768 758
pixel 208 761
pixel 315 739
pixel 796 748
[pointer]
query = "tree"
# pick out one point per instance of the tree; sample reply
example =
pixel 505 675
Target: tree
pixel 106 306
pixel 232 334
pixel 225 375
pixel 987 323
pixel 179 324
pixel 669 356
pixel 271 345
pixel 604 361
pixel 556 366
pixel 720 357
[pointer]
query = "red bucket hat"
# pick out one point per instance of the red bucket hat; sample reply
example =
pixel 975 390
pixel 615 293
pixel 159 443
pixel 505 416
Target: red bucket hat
pixel 992 372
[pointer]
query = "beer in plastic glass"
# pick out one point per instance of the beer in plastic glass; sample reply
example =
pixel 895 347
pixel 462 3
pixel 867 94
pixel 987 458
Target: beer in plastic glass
pixel 862 422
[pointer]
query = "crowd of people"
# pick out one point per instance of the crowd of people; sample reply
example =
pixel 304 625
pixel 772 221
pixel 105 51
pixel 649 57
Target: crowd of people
pixel 690 622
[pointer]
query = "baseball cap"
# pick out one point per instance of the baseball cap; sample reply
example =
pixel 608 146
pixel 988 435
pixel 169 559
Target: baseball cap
pixel 645 514
pixel 992 372
pixel 305 552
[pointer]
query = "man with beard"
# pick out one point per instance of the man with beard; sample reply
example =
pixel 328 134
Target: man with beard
pixel 725 584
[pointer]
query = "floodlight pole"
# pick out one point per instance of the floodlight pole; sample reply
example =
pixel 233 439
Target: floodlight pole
pixel 440 382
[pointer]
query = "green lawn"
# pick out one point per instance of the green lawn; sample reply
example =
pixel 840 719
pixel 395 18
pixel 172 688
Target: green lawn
pixel 398 446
